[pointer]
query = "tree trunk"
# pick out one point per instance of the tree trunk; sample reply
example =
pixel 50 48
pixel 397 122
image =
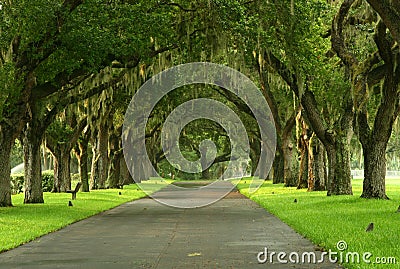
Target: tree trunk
pixel 278 165
pixel 255 152
pixel 103 156
pixel 125 174
pixel 374 171
pixel 319 172
pixel 311 173
pixel 6 142
pixel 342 177
pixel 302 181
pixel 263 173
pixel 94 175
pixel 138 170
pixel 290 163
pixel 374 141
pixel 62 175
pixel 115 170
pixel 290 154
pixel 205 166
pixel 81 153
pixel 32 160
pixel 302 145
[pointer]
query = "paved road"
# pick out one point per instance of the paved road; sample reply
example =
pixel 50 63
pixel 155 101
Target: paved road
pixel 147 234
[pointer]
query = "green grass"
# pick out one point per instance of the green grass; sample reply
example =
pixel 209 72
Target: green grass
pixel 326 220
pixel 22 223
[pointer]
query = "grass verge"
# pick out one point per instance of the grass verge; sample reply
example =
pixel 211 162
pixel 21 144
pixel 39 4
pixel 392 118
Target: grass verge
pixel 327 220
pixel 24 222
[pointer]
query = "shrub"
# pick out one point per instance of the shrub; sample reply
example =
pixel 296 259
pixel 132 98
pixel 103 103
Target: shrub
pixel 47 180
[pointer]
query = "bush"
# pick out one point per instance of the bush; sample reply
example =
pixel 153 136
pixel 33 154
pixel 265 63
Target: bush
pixel 17 182
pixel 47 180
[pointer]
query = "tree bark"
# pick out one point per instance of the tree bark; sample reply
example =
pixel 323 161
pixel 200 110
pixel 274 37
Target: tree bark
pixel 116 154
pixel 389 11
pixel 103 159
pixel 115 170
pixel 303 145
pixel 317 151
pixel 138 170
pixel 32 163
pixel 374 171
pixel 341 183
pixel 6 142
pixel 278 166
pixel 205 165
pixel 290 163
pixel 62 175
pixel 81 153
pixel 94 173
pixel 374 141
pixel 290 154
pixel 302 181
pixel 255 151
pixel 125 174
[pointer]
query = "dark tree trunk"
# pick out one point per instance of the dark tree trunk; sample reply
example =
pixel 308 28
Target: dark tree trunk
pixel 83 168
pixel 341 184
pixel 205 165
pixel 205 174
pixel 302 145
pixel 62 175
pixel 32 164
pixel 278 166
pixel 125 174
pixel 81 153
pixel 103 156
pixel 255 152
pixel 116 154
pixel 138 169
pixel 374 171
pixel 374 141
pixel 290 154
pixel 319 171
pixel 6 142
pixel 115 171
pixel 290 163
pixel 302 180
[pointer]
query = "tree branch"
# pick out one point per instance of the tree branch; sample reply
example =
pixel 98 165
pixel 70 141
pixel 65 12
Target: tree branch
pixel 389 11
pixel 337 39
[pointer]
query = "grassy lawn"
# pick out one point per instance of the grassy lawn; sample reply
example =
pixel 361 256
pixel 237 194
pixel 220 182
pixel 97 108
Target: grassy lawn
pixel 23 223
pixel 327 220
